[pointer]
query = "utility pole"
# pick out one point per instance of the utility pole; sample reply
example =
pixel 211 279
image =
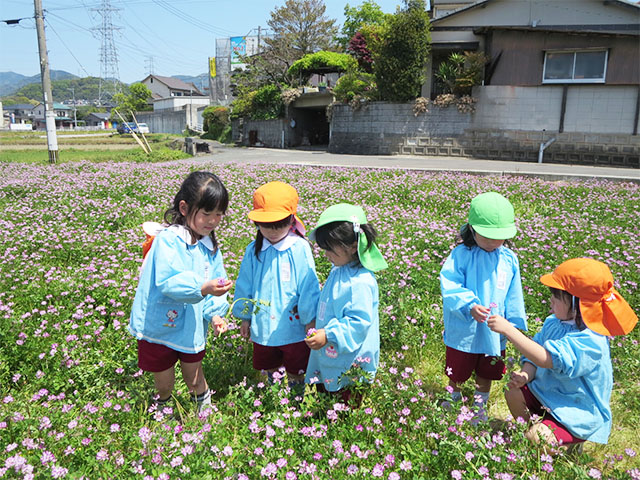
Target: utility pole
pixel 75 120
pixel 49 112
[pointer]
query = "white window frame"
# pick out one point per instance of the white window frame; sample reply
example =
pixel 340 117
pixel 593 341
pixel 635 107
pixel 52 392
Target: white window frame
pixel 576 80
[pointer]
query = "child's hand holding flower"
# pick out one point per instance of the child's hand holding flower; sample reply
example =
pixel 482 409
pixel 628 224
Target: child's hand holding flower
pixel 216 287
pixel 480 313
pixel 219 325
pixel 316 339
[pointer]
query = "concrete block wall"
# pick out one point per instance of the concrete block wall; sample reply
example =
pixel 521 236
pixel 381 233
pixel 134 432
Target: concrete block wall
pixel 384 128
pixel 509 124
pixel 589 108
pixel 268 133
pixel 164 121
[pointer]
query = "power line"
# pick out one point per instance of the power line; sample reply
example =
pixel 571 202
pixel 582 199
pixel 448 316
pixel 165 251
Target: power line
pixel 65 46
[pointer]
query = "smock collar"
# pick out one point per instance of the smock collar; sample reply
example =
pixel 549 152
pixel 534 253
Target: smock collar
pixel 283 244
pixel 183 233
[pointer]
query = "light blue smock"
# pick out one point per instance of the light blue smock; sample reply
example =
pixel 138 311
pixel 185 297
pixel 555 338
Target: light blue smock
pixel 284 274
pixel 577 389
pixel 473 276
pixel 169 308
pixel 348 312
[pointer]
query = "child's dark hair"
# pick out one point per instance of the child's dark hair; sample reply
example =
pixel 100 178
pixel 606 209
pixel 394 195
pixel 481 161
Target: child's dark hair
pixel 466 234
pixel 573 302
pixel 200 190
pixel 341 234
pixel 275 225
pixel 468 238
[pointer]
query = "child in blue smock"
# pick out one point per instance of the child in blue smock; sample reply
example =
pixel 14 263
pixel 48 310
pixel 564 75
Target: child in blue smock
pixel 182 289
pixel 566 378
pixel 480 277
pixel 347 331
pixel 278 272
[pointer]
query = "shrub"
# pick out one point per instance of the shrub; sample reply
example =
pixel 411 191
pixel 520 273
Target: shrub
pixel 267 103
pixel 461 72
pixel 355 84
pixel 216 120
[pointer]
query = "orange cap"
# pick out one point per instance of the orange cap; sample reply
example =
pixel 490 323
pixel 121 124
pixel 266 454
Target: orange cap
pixel 275 201
pixel 603 309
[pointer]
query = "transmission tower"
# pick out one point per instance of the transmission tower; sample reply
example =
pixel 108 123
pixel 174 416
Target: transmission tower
pixel 149 62
pixel 109 83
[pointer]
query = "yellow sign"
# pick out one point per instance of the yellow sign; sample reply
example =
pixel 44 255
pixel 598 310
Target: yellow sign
pixel 212 67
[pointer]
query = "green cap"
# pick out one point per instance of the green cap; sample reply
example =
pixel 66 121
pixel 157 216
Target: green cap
pixel 371 258
pixel 491 215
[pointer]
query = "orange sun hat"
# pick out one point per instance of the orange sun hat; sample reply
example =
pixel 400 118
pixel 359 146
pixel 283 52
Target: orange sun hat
pixel 275 201
pixel 603 309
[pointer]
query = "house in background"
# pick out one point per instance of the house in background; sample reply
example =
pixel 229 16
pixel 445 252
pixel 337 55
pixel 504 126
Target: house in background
pixel 555 65
pixel 20 113
pixel 64 116
pixel 177 105
pixel 98 119
pixel 164 87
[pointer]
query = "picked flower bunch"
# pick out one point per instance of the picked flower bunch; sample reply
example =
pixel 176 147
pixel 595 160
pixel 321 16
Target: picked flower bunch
pixel 311 332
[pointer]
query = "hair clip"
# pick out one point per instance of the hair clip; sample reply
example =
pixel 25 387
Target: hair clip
pixel 356 224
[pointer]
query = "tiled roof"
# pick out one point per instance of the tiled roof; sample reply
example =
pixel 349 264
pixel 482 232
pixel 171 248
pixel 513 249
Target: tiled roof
pixel 177 84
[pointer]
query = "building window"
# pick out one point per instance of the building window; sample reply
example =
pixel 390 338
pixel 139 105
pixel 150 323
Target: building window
pixel 583 66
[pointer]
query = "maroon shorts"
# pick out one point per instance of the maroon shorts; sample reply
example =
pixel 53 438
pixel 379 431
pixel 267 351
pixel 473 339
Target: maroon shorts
pixel 460 365
pixel 153 357
pixel 563 435
pixel 294 357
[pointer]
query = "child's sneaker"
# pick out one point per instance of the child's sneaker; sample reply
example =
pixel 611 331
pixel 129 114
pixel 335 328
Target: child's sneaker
pixel 203 400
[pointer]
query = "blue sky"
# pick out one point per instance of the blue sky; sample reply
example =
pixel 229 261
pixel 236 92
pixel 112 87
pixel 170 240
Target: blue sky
pixel 175 37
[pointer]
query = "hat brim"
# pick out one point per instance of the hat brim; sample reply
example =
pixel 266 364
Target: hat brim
pixel 494 233
pixel 550 281
pixel 269 217
pixel 610 317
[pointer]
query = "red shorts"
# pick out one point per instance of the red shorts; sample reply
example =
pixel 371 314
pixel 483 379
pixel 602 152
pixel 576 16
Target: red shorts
pixel 460 365
pixel 153 357
pixel 564 436
pixel 294 357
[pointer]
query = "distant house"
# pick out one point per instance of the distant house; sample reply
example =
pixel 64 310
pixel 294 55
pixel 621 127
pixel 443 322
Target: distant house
pixel 64 116
pixel 21 113
pixel 98 119
pixel 164 87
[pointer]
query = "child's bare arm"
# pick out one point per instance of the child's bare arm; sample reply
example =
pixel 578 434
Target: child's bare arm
pixel 524 376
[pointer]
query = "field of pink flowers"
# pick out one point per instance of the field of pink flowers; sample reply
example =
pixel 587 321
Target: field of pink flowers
pixel 73 403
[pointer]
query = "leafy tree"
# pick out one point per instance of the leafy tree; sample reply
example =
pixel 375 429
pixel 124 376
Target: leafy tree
pixel 135 101
pixel 404 49
pixel 17 100
pixel 322 61
pixel 300 27
pixel 368 13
